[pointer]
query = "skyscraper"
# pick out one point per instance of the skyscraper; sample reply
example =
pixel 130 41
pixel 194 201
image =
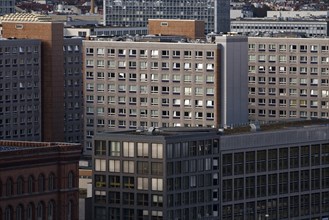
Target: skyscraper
pixel 215 13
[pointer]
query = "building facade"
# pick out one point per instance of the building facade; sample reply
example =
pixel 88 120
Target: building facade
pixel 39 180
pixel 141 176
pixel 73 90
pixel 308 27
pixel 20 89
pixel 57 81
pixel 50 34
pixel 160 84
pixel 216 14
pixel 288 78
pixel 186 174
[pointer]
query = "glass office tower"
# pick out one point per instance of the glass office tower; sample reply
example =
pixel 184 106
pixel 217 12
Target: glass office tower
pixel 135 13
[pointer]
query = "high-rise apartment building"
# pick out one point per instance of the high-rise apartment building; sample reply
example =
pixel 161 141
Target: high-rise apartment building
pixel 7 7
pixel 39 180
pixel 280 173
pixel 20 89
pixel 59 77
pixel 162 84
pixel 288 78
pixel 31 26
pixel 215 13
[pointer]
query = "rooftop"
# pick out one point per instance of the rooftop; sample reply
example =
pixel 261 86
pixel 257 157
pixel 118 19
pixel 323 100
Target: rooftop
pixel 25 17
pixel 8 147
pixel 245 129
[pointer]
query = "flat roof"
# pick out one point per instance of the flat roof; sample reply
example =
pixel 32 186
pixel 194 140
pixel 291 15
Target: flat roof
pixel 26 147
pixel 243 129
pixel 11 148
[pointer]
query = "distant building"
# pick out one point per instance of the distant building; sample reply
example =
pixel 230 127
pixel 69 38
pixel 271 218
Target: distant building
pixel 288 78
pixel 87 31
pixel 20 89
pixel 190 29
pixel 39 180
pixel 7 7
pixel 297 14
pixel 181 173
pixel 216 14
pixel 308 27
pixel 161 82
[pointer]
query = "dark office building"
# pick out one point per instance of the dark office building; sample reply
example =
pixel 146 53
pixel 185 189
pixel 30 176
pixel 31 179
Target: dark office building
pixel 279 172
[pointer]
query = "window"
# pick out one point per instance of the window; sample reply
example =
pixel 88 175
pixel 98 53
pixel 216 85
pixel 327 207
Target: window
pixel 51 211
pixel 111 64
pixel 187 78
pixel 9 213
pixel 128 166
pixel 70 180
pixel 199 66
pixel 165 53
pixel 41 183
pixel 292 48
pixel 157 184
pixel 20 186
pixel 90 63
pixel 114 166
pixel 51 182
pixel 261 47
pixel 314 60
pixel 261 58
pixel 9 187
pixel 252 58
pixel 122 64
pixel 30 211
pixel 157 151
pixel 40 209
pixel 115 149
pixel 165 65
pixel 132 52
pixel 154 53
pixel 176 66
pixel 272 47
pixel 100 63
pixel 19 212
pixel 121 52
pixel 176 53
pixel 142 150
pixel 142 183
pixel 251 47
pixel 30 186
pixel 69 210
pixel 143 65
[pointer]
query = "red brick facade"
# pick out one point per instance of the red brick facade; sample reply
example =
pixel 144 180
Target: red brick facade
pixel 39 181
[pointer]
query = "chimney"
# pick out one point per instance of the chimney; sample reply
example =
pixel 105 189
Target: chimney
pixel 92 6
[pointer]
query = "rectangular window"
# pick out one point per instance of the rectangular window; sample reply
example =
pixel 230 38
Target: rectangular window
pixel 157 151
pixel 115 148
